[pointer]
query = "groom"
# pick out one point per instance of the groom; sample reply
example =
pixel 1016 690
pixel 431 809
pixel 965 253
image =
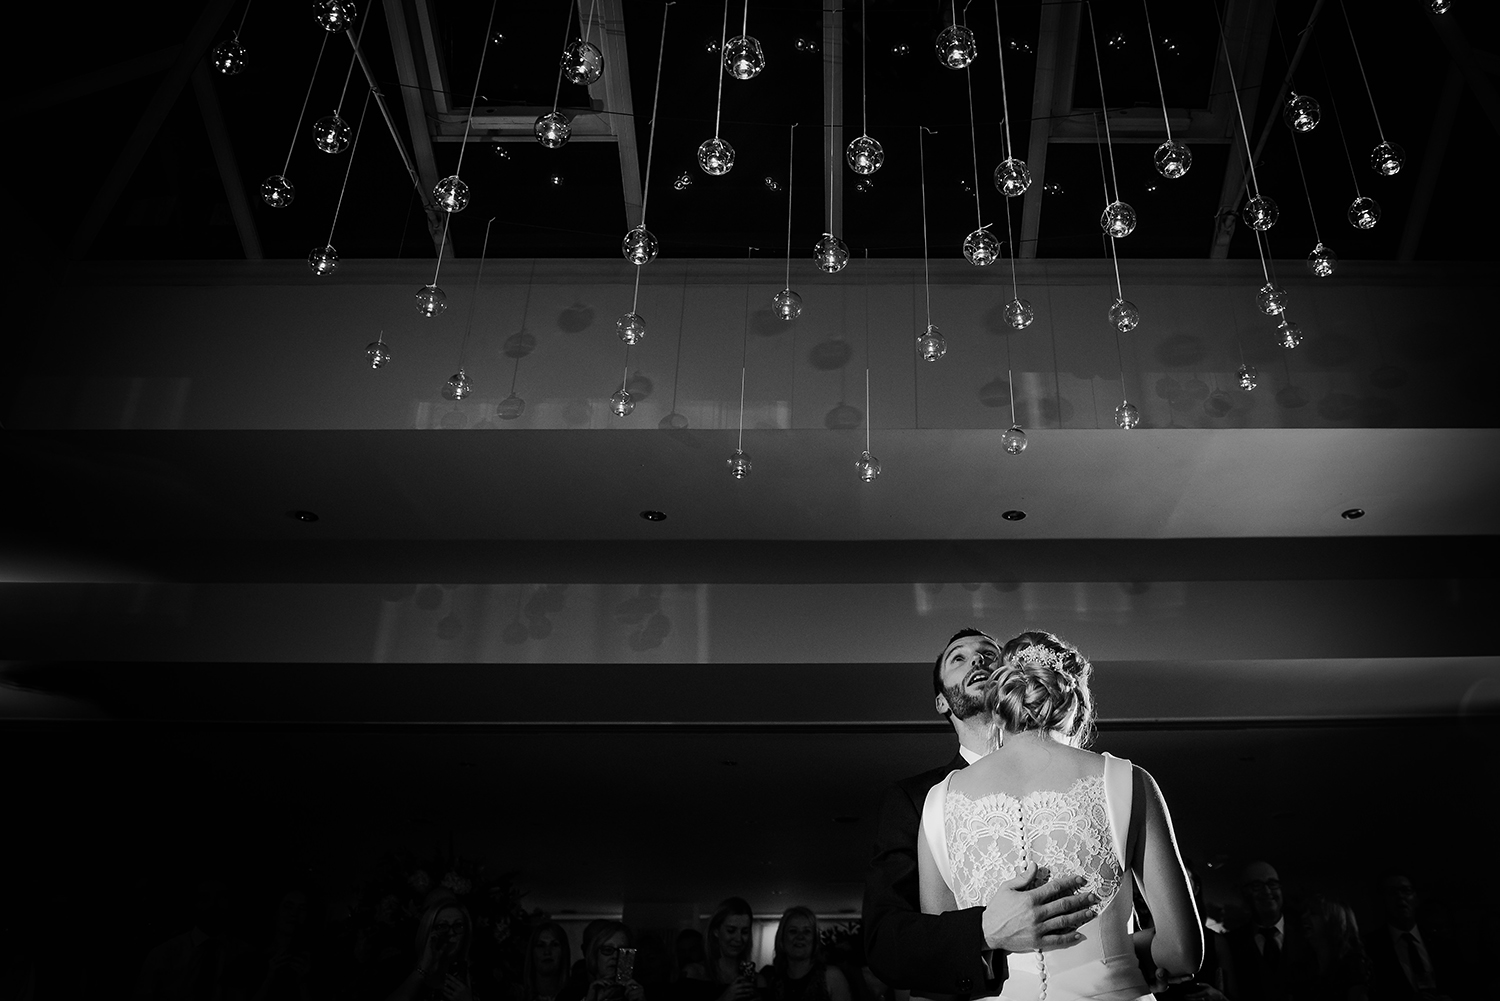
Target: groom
pixel 958 952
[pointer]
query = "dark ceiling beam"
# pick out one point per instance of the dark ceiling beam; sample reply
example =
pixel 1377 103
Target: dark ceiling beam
pixel 92 83
pixel 833 113
pixel 229 168
pixel 1432 163
pixel 611 94
pixel 1472 64
pixel 162 102
pixel 1056 49
pixel 385 112
pixel 1247 33
pixel 415 98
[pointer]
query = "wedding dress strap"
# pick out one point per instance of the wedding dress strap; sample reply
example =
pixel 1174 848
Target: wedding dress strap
pixel 1118 794
pixel 932 827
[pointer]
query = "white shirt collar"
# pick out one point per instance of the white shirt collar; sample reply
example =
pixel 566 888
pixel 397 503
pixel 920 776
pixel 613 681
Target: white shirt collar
pixel 1397 934
pixel 969 756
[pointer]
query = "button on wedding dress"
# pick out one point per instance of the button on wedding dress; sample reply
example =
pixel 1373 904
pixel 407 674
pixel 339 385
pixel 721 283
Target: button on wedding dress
pixel 981 843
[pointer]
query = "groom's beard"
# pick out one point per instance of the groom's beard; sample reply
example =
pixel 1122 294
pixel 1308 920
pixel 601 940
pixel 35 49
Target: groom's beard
pixel 963 705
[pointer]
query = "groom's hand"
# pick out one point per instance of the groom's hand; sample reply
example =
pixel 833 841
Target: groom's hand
pixel 1018 919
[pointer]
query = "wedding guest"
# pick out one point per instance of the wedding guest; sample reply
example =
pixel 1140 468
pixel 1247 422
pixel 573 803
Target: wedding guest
pixel 728 969
pixel 1263 960
pixel 798 971
pixel 444 934
pixel 601 963
pixel 291 950
pixel 1410 960
pixel 1337 969
pixel 206 960
pixel 548 964
pixel 690 956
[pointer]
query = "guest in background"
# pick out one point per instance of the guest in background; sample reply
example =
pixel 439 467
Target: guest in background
pixel 206 961
pixel 444 934
pixel 601 963
pixel 728 969
pixel 578 977
pixel 1337 969
pixel 691 958
pixel 1410 961
pixel 798 972
pixel 549 962
pixel 1263 961
pixel 291 969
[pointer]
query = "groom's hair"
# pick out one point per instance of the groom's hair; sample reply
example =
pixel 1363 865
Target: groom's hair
pixel 937 665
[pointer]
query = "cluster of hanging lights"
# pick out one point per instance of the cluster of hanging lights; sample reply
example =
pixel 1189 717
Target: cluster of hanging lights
pixel 742 58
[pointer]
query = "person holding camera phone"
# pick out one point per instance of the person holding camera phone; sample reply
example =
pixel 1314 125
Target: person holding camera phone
pixel 608 963
pixel 442 970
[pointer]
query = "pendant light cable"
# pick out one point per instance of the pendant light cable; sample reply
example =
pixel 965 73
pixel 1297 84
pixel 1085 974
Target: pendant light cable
pixel 1103 181
pixel 864 93
pixel 478 276
pixel 242 18
pixel 655 97
pixel 301 114
pixel 349 167
pixel 349 74
pixel 1004 97
pixel 1368 93
pixel 791 148
pixel 926 273
pixel 567 30
pixel 1156 64
pixel 744 345
pixel 1238 110
pixel 719 64
pixel 1103 104
pixel 478 74
pixel 974 147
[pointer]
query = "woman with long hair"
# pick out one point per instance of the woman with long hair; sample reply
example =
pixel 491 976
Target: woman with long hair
pixel 798 971
pixel 728 967
pixel 1040 804
pixel 1338 969
pixel 444 934
pixel 604 979
pixel 544 971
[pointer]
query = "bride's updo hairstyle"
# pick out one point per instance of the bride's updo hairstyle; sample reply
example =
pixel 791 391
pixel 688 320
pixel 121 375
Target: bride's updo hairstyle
pixel 1042 683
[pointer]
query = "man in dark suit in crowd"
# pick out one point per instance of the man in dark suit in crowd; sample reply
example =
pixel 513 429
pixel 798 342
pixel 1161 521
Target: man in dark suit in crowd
pixel 959 952
pixel 1264 961
pixel 1408 961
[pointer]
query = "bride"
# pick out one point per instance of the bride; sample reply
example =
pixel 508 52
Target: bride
pixel 1038 797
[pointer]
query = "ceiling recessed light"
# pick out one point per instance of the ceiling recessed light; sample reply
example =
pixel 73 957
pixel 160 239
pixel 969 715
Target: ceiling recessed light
pixel 302 515
pixel 1013 515
pixel 653 516
pixel 1353 513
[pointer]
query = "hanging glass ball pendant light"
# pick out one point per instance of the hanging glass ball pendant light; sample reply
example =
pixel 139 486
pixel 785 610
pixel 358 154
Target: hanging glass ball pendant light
pixel 982 248
pixel 1173 159
pixel 458 386
pixel 1260 213
pixel 1246 377
pixel 739 464
pixel 1018 313
pixel 1387 159
pixel 1302 113
pixel 1124 316
pixel 639 246
pixel 1127 415
pixel 378 352
pixel 1289 333
pixel 510 408
pixel 277 192
pixel 582 62
pixel 931 345
pixel 620 403
pixel 451 194
pixel 743 58
pixel 1271 299
pixel 868 467
pixel 1322 261
pixel 1117 220
pixel 1012 177
pixel 830 254
pixel 334 15
pixel 956 47
pixel 865 155
pixel 323 260
pixel 1439 6
pixel 716 157
pixel 631 328
pixel 1364 212
pixel 1014 440
pixel 331 134
pixel 230 58
pixel 786 304
pixel 552 129
pixel 431 300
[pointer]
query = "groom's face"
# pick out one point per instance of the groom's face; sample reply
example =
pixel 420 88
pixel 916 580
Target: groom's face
pixel 966 665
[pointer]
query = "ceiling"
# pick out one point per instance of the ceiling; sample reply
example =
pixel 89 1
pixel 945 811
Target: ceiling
pixel 185 153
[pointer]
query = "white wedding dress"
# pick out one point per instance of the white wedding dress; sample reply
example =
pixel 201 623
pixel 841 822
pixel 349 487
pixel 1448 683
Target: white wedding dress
pixel 978 844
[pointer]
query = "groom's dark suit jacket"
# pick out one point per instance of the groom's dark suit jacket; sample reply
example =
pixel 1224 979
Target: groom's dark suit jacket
pixel 928 953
